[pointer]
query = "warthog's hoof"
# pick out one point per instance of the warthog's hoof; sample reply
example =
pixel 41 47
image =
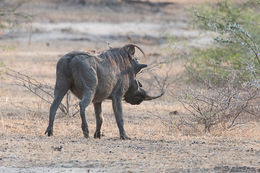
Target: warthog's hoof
pixel 85 130
pixel 124 137
pixel 86 134
pixel 49 131
pixel 97 135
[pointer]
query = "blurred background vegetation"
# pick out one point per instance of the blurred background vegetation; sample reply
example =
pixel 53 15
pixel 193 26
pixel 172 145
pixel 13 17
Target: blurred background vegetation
pixel 236 48
pixel 10 17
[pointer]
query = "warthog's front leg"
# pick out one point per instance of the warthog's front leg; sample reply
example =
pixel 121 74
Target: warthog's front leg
pixel 99 119
pixel 117 107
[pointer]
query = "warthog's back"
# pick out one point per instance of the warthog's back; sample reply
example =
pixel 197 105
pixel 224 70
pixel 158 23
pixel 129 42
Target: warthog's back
pixel 84 70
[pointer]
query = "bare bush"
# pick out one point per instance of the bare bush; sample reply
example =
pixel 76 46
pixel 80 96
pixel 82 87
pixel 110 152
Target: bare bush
pixel 44 91
pixel 10 15
pixel 226 106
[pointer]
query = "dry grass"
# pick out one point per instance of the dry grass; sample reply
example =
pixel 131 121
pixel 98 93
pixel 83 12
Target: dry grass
pixel 156 145
pixel 151 148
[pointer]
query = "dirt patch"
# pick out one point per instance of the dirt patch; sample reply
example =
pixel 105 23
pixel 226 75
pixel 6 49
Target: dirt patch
pixel 151 149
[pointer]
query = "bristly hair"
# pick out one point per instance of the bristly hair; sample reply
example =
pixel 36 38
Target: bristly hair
pixel 118 52
pixel 113 53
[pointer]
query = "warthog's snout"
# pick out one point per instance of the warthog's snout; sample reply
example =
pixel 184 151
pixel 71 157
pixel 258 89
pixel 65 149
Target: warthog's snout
pixel 141 95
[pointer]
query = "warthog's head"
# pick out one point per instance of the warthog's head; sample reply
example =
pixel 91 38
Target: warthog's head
pixel 135 93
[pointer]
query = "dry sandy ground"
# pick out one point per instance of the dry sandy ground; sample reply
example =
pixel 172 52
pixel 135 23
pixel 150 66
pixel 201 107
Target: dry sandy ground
pixel 157 145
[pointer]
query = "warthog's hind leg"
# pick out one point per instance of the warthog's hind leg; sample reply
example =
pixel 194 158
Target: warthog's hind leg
pixel 60 90
pixel 85 101
pixel 99 119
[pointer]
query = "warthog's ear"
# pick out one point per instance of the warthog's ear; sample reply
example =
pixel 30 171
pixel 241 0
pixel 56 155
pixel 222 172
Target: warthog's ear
pixel 130 49
pixel 139 67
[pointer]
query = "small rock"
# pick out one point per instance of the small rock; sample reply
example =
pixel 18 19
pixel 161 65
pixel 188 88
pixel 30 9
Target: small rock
pixel 195 142
pixel 174 112
pixel 57 148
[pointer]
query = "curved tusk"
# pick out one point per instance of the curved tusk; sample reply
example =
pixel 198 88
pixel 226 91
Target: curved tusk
pixel 148 97
pixel 137 48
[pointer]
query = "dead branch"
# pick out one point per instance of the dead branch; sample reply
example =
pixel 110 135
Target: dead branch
pixel 220 105
pixel 43 91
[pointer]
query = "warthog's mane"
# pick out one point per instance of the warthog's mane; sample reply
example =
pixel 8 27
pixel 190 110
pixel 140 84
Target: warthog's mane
pixel 118 52
pixel 114 53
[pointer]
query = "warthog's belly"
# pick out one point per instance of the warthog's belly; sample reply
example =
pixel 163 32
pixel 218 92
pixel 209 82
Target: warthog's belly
pixel 99 95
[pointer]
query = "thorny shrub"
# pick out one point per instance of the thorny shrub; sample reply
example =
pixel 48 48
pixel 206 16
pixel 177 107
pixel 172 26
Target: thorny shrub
pixel 236 47
pixel 228 72
pixel 226 106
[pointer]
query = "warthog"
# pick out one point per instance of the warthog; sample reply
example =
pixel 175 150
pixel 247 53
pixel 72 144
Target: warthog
pixel 94 78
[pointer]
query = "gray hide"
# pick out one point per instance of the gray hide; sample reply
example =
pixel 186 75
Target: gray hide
pixel 94 78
